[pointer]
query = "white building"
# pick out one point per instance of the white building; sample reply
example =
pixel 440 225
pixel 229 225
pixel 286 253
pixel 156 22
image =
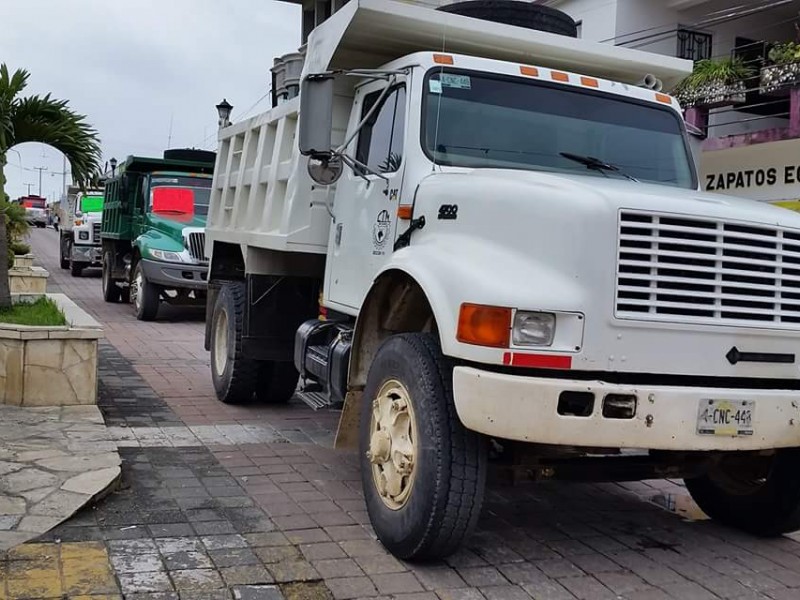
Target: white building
pixel 753 145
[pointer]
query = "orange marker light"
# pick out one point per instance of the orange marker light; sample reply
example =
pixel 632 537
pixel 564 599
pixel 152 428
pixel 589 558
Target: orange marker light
pixel 664 98
pixel 559 76
pixel 484 325
pixel 529 71
pixel 443 59
pixel 404 211
pixel 590 82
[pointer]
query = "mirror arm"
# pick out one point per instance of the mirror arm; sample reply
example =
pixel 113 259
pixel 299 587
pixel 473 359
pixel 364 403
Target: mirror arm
pixel 357 166
pixel 367 117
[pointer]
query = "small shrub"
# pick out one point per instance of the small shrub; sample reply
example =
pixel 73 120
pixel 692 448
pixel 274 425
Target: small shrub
pixel 785 53
pixel 43 312
pixel 20 248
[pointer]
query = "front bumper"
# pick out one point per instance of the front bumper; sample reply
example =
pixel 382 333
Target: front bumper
pixel 525 409
pixel 176 275
pixel 92 255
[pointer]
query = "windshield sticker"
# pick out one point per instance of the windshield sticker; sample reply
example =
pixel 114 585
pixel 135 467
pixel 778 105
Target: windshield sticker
pixel 435 86
pixel 461 82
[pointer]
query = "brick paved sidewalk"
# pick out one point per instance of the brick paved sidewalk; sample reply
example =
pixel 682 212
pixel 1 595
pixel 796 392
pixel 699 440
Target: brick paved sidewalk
pixel 220 498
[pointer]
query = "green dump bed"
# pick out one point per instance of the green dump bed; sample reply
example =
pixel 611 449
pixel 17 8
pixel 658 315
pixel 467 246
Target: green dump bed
pixel 125 191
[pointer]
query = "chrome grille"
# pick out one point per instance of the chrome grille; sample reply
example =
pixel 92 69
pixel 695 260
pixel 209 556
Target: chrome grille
pixel 196 243
pixel 698 270
pixel 96 233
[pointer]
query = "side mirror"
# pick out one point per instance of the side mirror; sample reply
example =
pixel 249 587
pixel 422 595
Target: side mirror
pixel 696 138
pixel 316 115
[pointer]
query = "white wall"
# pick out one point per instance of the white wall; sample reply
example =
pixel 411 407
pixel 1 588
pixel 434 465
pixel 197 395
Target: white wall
pixel 598 17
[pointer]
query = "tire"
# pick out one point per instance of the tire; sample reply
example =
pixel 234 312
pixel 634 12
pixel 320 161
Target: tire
pixel 276 382
pixel 76 268
pixel 234 376
pixel 111 291
pixel 438 503
pixel 145 297
pixel 520 14
pixel 63 259
pixel 762 498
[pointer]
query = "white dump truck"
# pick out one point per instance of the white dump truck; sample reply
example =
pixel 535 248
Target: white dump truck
pixel 473 235
pixel 79 230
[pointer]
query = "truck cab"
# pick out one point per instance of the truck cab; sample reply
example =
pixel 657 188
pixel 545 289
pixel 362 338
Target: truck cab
pixel 153 231
pixel 502 243
pixel 80 246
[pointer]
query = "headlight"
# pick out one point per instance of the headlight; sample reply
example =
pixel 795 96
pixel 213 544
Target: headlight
pixel 166 255
pixel 533 328
pixel 83 235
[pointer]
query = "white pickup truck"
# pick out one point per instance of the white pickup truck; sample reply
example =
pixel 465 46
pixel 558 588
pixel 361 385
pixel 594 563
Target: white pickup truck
pixel 465 231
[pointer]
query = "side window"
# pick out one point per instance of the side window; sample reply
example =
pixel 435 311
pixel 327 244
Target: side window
pixel 380 142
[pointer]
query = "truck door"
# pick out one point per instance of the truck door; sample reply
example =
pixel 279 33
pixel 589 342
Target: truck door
pixel 366 204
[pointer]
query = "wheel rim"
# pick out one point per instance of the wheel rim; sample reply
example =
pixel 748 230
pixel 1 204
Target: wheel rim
pixel 393 444
pixel 221 342
pixel 136 290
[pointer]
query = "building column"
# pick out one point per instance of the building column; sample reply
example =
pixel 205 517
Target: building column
pixel 794 112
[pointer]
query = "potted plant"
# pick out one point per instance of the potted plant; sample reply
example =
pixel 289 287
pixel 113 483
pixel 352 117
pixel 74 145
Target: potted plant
pixel 784 70
pixel 714 83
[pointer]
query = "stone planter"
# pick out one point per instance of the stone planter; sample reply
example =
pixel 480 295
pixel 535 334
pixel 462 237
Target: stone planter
pixel 777 80
pixel 713 95
pixel 50 366
pixel 28 280
pixel 23 260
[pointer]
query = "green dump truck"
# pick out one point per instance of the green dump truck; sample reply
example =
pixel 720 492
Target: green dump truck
pixel 153 231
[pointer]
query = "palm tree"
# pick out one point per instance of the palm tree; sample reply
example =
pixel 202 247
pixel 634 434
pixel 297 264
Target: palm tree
pixel 39 119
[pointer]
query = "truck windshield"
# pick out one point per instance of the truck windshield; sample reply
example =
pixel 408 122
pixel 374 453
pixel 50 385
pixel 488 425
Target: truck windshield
pixel 520 124
pixel 92 204
pixel 180 195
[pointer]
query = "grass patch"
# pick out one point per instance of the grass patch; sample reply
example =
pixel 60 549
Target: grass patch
pixel 43 312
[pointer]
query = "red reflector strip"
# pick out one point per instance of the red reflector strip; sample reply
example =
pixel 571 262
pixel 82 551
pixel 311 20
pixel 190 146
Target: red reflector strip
pixel 541 361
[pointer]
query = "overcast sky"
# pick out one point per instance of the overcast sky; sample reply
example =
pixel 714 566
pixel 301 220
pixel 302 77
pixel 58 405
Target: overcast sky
pixel 132 67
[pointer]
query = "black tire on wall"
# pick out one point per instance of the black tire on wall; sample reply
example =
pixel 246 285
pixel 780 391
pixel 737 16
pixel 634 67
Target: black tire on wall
pixel 520 14
pixel 234 376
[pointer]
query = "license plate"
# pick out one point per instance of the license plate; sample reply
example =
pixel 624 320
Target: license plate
pixel 725 417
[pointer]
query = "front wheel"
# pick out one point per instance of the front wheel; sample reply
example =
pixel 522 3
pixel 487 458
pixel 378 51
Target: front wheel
pixel 76 268
pixel 63 254
pixel 423 473
pixel 144 295
pixel 757 494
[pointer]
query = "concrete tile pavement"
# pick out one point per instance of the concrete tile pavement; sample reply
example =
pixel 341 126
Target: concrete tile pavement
pixel 284 513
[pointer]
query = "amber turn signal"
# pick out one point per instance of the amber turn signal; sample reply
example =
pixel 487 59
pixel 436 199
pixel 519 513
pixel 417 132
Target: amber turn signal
pixel 484 325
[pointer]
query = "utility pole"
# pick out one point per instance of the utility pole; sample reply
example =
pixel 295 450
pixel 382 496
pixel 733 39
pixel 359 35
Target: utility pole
pixel 40 169
pixel 30 185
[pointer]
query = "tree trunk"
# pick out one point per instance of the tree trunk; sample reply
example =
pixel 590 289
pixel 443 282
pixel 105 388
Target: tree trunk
pixel 5 286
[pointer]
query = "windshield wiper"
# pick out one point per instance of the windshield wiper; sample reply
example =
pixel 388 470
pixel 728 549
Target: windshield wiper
pixel 595 164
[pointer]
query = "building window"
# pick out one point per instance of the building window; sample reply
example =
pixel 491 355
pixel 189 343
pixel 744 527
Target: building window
pixel 693 45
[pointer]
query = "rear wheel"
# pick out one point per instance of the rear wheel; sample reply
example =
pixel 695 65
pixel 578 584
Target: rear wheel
pixel 111 291
pixel 144 295
pixel 276 382
pixel 757 494
pixel 422 472
pixel 234 376
pixel 63 254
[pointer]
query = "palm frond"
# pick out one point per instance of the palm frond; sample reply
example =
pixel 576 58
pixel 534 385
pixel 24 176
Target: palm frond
pixel 49 121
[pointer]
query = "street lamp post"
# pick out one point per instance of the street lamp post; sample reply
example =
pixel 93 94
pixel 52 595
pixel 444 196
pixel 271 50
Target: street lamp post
pixel 224 109
pixel 113 163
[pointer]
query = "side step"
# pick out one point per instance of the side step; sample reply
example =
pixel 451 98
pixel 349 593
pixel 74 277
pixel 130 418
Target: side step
pixel 315 400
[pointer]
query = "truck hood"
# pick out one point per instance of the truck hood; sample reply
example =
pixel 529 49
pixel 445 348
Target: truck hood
pixel 613 194
pixel 172 227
